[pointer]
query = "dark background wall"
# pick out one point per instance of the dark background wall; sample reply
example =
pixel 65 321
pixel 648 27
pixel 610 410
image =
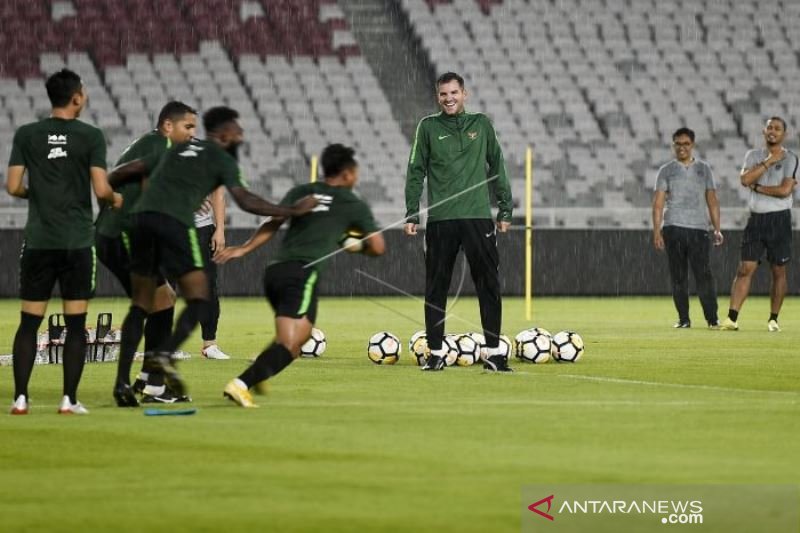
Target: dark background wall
pixel 566 262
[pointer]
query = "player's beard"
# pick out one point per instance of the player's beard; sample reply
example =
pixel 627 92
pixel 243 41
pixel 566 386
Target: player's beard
pixel 234 150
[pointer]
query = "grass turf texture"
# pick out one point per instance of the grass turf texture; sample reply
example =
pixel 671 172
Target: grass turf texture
pixel 342 444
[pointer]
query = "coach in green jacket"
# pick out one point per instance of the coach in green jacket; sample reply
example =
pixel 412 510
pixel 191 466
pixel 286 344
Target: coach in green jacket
pixel 459 153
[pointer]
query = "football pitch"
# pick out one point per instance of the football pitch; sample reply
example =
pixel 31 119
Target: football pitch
pixel 342 444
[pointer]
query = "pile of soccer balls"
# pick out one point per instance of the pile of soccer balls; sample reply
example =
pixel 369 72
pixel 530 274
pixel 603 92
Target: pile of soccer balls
pixel 537 345
pixel 534 345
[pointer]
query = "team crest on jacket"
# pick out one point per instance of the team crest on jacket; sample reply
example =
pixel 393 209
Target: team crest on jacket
pixel 472 135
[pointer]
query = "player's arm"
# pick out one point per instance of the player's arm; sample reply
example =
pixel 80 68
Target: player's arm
pixel 14 183
pixel 130 172
pixel 659 198
pixel 218 206
pixel 253 203
pixel 102 189
pixel 497 171
pixel 415 177
pixel 260 237
pixel 752 171
pixel 713 213
pixel 783 190
pixel 374 245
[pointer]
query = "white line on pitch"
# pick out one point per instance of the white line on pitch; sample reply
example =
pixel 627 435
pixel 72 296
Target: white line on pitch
pixel 713 388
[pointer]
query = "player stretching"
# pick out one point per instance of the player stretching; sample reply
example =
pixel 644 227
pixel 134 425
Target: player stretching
pixel 163 237
pixel 65 159
pixel 290 281
pixel 176 124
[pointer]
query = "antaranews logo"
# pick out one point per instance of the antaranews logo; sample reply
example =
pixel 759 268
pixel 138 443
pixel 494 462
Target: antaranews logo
pixel 655 508
pixel 668 511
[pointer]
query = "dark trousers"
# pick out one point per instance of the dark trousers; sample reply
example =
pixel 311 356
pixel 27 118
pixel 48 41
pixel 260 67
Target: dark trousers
pixel 690 248
pixel 209 325
pixel 478 239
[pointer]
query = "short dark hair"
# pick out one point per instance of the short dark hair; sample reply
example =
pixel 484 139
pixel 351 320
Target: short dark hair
pixel 683 131
pixel 337 158
pixel 779 119
pixel 174 111
pixel 447 77
pixel 62 86
pixel 217 117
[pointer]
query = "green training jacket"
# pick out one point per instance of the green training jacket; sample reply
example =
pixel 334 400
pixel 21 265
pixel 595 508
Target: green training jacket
pixel 459 155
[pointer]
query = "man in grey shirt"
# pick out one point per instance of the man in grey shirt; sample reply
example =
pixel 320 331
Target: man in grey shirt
pixel 771 175
pixel 686 187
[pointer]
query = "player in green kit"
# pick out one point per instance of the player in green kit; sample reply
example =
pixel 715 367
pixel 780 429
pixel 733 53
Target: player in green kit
pixel 290 281
pixel 164 240
pixel 65 160
pixel 176 124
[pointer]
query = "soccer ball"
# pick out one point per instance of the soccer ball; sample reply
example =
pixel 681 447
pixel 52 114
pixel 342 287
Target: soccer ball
pixel 533 345
pixel 315 345
pixel 383 348
pixel 352 241
pixel 567 347
pixel 469 351
pixel 418 347
pixel 450 342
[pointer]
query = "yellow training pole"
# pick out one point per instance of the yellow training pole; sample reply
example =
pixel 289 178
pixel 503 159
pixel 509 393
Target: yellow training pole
pixel 313 169
pixel 528 233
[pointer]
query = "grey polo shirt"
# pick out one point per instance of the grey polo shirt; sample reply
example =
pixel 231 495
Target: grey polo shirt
pixel 786 168
pixel 686 188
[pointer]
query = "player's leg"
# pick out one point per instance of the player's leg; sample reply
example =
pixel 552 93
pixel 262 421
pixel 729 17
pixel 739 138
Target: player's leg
pixel 700 262
pixel 37 275
pixel 193 287
pixel 753 247
pixel 77 280
pixel 779 253
pixel 144 269
pixel 442 242
pixel 292 292
pixel 676 244
pixel 157 329
pixel 209 326
pixel 479 238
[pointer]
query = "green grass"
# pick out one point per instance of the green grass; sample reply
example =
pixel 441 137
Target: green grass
pixel 345 445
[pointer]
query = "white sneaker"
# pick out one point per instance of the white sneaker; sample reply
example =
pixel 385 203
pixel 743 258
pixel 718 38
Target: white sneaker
pixel 68 408
pixel 773 326
pixel 213 352
pixel 20 406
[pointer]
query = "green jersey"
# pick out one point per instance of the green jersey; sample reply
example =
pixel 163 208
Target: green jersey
pixel 58 154
pixel 316 234
pixel 182 178
pixel 110 221
pixel 459 155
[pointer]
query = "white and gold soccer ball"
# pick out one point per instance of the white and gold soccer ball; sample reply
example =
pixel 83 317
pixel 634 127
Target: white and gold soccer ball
pixel 316 344
pixel 533 345
pixel 568 347
pixel 469 351
pixel 383 348
pixel 418 347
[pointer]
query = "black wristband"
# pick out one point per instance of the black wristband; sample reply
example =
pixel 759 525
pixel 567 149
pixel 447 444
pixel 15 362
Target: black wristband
pixel 755 187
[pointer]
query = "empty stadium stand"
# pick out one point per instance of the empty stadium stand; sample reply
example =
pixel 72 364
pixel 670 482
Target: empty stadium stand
pixel 595 86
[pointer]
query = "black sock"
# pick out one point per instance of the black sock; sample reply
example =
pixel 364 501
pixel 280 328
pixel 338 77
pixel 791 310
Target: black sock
pixel 132 328
pixel 773 316
pixel 74 354
pixel 25 352
pixel 733 315
pixel 271 361
pixel 158 328
pixel 195 311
